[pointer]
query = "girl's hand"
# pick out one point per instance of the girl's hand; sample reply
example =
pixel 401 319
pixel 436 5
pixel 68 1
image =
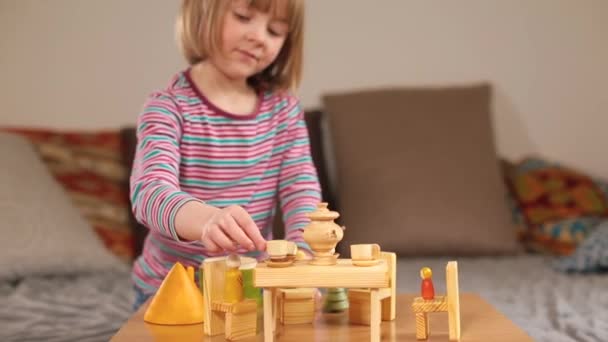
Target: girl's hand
pixel 230 229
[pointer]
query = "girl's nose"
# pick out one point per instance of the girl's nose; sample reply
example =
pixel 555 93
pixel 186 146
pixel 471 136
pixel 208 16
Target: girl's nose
pixel 256 34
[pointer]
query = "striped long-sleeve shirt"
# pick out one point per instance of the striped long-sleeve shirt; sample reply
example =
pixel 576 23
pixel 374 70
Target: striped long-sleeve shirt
pixel 188 149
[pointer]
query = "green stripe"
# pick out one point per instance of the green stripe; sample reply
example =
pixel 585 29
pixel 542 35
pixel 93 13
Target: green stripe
pixel 296 179
pixel 188 99
pixel 219 184
pixel 263 195
pixel 239 162
pixel 173 213
pixel 147 270
pixel 272 172
pixel 304 159
pixel 294 112
pixel 204 118
pixel 149 138
pixel 229 202
pixel 136 192
pixel 254 140
pixel 261 216
pixel 301 194
pixel 300 210
pixel 151 154
pixel 161 211
pixel 141 283
pixel 151 204
pixel 156 110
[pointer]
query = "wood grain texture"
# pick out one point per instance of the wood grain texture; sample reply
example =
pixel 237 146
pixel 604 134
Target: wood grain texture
pixel 343 274
pixel 437 304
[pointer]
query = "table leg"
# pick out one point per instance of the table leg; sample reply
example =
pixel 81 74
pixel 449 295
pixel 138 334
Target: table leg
pixel 275 309
pixel 268 315
pixel 374 315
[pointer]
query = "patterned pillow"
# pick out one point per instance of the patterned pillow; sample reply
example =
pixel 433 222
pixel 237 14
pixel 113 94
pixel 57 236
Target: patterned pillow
pixel 557 206
pixel 90 168
pixel 563 236
pixel 590 256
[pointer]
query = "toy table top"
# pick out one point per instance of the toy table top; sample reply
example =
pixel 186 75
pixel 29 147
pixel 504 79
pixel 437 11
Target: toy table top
pixel 343 274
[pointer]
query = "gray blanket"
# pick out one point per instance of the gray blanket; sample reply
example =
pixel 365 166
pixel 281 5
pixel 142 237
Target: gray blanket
pixel 76 308
pixel 548 305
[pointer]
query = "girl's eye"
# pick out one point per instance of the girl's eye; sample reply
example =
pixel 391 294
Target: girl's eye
pixel 274 33
pixel 241 17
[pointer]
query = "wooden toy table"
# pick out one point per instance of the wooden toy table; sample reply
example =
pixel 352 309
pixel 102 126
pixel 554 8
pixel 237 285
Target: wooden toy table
pixel 302 274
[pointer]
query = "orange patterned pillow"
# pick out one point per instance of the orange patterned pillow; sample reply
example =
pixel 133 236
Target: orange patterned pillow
pixel 550 194
pixel 89 166
pixel 557 206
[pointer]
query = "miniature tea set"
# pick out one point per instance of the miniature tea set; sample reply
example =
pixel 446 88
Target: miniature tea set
pixel 322 234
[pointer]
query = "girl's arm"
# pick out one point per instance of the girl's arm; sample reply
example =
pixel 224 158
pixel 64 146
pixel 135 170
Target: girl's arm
pixel 156 198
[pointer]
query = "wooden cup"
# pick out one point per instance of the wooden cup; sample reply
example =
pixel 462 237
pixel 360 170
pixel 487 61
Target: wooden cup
pixel 365 251
pixel 278 249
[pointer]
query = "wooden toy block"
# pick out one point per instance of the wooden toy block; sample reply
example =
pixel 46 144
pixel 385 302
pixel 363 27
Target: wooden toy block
pixel 241 325
pixel 358 306
pixel 296 306
pixel 449 303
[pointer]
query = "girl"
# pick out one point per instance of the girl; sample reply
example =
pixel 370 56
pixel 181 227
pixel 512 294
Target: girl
pixel 218 145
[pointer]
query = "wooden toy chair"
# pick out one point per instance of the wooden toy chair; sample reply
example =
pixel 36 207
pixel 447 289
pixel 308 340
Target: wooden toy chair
pixel 235 320
pixel 359 299
pixel 449 303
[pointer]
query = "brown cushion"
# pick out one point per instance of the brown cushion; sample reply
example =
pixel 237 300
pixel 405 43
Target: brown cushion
pixel 417 172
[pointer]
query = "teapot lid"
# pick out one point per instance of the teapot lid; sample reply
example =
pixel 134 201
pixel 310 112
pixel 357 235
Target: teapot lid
pixel 323 213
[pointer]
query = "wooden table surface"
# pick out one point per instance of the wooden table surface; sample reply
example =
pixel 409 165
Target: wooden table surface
pixel 480 322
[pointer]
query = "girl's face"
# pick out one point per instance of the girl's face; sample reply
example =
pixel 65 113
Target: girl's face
pixel 250 39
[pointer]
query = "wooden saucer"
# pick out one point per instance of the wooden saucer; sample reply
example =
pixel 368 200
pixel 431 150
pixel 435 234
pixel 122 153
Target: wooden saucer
pixel 324 260
pixel 365 263
pixel 285 263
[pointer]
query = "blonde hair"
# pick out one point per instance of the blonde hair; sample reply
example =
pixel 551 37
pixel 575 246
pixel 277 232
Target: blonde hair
pixel 198 30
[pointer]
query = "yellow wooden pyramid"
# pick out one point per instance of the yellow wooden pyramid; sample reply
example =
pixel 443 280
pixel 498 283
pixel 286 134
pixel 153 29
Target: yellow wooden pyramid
pixel 178 300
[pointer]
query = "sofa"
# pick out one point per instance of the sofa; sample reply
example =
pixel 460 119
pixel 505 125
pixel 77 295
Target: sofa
pixel 413 169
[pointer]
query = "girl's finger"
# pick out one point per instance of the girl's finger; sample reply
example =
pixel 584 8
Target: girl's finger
pixel 222 241
pixel 236 233
pixel 245 221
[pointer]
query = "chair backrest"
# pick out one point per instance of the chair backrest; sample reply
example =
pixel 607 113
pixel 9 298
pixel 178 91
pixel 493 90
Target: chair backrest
pixel 453 294
pixel 389 305
pixel 391 261
pixel 451 279
pixel 213 291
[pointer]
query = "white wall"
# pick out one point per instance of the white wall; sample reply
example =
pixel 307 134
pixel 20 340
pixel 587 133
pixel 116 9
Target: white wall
pixel 90 64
